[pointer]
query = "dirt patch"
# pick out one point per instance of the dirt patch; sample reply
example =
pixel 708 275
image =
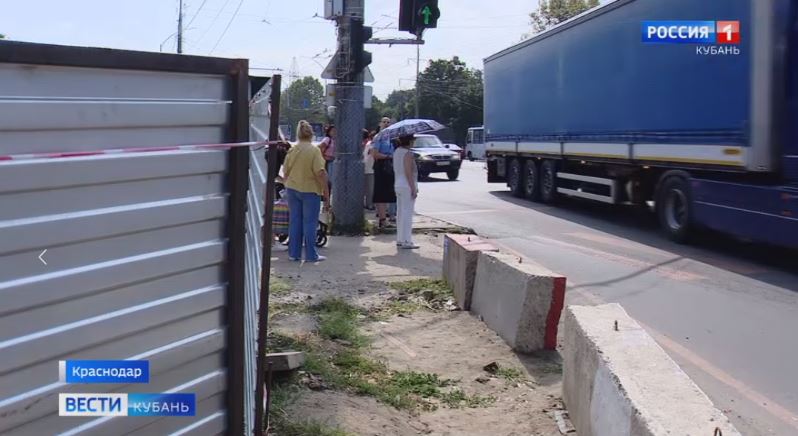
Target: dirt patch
pixel 417 370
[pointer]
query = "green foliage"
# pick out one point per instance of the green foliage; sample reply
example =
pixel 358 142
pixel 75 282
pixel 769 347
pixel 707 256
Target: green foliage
pixel 553 12
pixel 303 100
pixel 451 93
pixel 2 36
pixel 339 320
pixel 432 289
pixel 400 104
pixel 375 113
pixel 457 399
pixel 512 375
pixel 278 286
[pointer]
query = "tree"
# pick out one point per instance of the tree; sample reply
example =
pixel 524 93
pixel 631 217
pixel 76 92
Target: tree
pixel 399 104
pixel 373 115
pixel 553 12
pixel 303 100
pixel 451 93
pixel 2 36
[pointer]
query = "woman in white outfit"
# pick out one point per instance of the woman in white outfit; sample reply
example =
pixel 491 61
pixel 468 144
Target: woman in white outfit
pixel 406 187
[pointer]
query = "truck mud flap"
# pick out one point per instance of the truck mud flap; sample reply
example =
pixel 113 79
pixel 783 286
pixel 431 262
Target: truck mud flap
pixel 497 172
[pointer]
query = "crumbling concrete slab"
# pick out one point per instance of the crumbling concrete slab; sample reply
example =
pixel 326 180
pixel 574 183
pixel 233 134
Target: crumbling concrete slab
pixel 619 382
pixel 519 300
pixel 287 361
pixel 460 256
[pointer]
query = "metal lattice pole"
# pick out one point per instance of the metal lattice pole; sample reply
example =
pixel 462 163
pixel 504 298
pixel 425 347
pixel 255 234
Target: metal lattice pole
pixel 348 178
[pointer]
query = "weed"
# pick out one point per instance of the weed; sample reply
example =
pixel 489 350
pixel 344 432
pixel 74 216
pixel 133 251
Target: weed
pixel 339 320
pixel 278 286
pixel 307 428
pixel 512 375
pixel 457 399
pixel 434 288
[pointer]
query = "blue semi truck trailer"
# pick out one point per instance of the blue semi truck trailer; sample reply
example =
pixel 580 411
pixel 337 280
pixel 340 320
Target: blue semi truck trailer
pixel 691 105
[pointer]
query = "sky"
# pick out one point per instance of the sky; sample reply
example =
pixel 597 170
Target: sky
pixel 280 34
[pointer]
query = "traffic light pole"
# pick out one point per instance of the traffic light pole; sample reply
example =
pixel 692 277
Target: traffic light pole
pixel 418 85
pixel 348 178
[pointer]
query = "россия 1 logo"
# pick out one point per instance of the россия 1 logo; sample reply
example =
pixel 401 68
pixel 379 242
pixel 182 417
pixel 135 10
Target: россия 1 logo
pixel 713 37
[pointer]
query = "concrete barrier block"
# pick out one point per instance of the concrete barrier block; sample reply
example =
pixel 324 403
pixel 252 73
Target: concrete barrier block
pixel 621 383
pixel 460 255
pixel 521 301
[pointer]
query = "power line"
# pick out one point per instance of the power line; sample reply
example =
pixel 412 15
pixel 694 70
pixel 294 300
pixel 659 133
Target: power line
pixel 210 26
pixel 229 23
pixel 202 5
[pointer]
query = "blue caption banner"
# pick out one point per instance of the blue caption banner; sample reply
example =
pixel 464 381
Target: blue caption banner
pixel 161 404
pixel 679 32
pixel 104 371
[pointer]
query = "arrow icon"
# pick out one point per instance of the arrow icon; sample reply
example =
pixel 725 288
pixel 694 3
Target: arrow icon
pixel 427 13
pixel 41 256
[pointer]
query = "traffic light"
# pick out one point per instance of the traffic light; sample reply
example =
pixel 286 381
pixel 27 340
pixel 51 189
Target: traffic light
pixel 417 15
pixel 359 34
pixel 427 14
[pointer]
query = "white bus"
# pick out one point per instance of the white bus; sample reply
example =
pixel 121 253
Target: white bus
pixel 475 143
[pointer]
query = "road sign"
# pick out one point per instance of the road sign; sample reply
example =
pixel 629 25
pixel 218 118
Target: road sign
pixel 329 72
pixel 333 9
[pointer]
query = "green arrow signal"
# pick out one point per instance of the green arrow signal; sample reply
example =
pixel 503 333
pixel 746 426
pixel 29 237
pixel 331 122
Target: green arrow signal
pixel 427 13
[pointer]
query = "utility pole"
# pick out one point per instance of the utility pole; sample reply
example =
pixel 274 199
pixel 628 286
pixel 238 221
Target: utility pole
pixel 348 178
pixel 418 84
pixel 180 27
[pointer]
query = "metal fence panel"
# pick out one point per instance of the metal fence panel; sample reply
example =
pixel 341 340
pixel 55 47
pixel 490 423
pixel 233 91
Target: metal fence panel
pixel 134 270
pixel 259 130
pixel 140 246
pixel 52 108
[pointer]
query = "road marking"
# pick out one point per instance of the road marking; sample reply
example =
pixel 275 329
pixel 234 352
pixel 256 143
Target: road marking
pixel 41 257
pixel 460 212
pixel 745 391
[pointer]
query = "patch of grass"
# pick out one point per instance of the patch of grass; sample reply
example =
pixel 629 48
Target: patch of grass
pixel 457 399
pixel 276 308
pixel 278 286
pixel 339 320
pixel 512 375
pixel 433 288
pixel 308 428
pixel 280 422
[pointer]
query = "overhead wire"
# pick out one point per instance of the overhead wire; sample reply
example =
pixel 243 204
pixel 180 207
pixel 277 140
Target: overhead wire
pixel 210 26
pixel 229 23
pixel 202 5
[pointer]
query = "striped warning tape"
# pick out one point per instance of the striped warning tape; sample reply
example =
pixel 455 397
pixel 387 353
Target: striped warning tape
pixel 51 155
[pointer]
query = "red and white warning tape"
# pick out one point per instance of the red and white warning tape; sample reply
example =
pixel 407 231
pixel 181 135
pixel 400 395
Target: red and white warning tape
pixel 52 155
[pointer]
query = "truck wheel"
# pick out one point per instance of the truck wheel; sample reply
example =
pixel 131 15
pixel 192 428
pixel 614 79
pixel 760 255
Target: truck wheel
pixel 674 207
pixel 515 178
pixel 548 181
pixel 531 180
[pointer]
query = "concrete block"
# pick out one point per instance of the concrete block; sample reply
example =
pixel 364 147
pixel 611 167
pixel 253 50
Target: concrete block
pixel 621 383
pixel 521 301
pixel 287 361
pixel 460 255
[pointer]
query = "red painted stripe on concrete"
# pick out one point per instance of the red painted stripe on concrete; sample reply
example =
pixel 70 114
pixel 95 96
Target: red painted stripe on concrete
pixel 555 310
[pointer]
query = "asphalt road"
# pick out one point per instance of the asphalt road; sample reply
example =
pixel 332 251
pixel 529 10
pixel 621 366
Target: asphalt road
pixel 725 310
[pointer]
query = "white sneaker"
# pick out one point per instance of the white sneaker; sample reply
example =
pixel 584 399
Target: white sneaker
pixel 320 259
pixel 410 246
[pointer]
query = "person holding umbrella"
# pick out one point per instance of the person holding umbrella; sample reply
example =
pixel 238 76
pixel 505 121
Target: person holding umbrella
pixel 404 128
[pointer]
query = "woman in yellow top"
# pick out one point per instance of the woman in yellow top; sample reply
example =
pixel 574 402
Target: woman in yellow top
pixel 306 185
